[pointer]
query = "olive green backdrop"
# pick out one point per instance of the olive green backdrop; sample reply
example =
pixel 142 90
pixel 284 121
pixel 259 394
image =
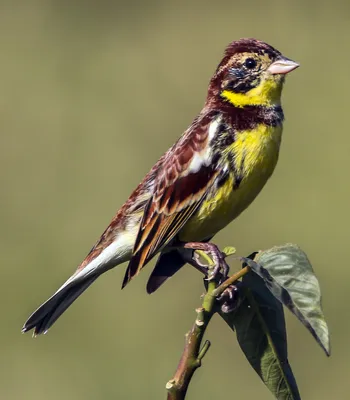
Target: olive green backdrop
pixel 91 94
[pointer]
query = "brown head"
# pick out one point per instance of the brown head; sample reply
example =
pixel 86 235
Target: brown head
pixel 250 73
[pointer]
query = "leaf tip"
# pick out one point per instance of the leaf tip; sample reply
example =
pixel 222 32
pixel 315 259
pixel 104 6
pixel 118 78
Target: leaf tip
pixel 327 349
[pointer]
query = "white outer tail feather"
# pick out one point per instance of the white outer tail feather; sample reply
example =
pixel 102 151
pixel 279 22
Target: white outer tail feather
pixel 119 251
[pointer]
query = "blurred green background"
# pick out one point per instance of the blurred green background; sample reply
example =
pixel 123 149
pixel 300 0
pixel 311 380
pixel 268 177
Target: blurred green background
pixel 92 93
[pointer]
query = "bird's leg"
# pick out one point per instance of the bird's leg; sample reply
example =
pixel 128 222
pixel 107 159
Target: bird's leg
pixel 220 268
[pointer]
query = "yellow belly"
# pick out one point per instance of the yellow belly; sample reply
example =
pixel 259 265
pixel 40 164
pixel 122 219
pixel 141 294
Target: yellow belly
pixel 256 153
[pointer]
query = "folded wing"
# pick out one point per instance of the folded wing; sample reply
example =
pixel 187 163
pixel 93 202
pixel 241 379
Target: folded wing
pixel 181 184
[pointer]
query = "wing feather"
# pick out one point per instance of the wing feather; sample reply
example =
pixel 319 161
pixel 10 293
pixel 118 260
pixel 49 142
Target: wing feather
pixel 181 185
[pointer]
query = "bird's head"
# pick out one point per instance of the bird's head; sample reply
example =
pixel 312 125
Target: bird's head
pixel 251 73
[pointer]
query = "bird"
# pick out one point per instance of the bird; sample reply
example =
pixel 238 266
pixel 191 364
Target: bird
pixel 204 181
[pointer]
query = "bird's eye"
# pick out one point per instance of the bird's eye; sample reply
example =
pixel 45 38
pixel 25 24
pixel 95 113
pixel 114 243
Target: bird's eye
pixel 250 63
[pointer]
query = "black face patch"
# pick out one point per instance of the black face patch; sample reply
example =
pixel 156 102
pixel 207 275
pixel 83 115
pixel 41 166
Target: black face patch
pixel 238 73
pixel 245 86
pixel 241 79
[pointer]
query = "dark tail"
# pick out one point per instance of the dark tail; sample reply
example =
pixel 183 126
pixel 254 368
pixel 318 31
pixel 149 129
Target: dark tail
pixel 45 316
pixel 167 265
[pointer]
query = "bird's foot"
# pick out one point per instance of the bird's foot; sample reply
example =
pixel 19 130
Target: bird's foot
pixel 229 299
pixel 220 268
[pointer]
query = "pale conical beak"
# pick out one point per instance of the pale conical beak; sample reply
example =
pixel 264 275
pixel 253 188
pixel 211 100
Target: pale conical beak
pixel 282 66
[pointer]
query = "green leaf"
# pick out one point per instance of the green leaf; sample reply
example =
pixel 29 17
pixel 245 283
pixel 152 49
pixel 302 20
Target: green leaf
pixel 229 250
pixel 289 276
pixel 261 333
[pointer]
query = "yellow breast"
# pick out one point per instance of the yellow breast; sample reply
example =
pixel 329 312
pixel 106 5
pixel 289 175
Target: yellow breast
pixel 255 155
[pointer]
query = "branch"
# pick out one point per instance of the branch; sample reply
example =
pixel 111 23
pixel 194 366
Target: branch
pixel 229 281
pixel 193 354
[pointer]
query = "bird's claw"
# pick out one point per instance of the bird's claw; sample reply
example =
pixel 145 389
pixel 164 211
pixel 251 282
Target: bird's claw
pixel 197 260
pixel 221 268
pixel 229 299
